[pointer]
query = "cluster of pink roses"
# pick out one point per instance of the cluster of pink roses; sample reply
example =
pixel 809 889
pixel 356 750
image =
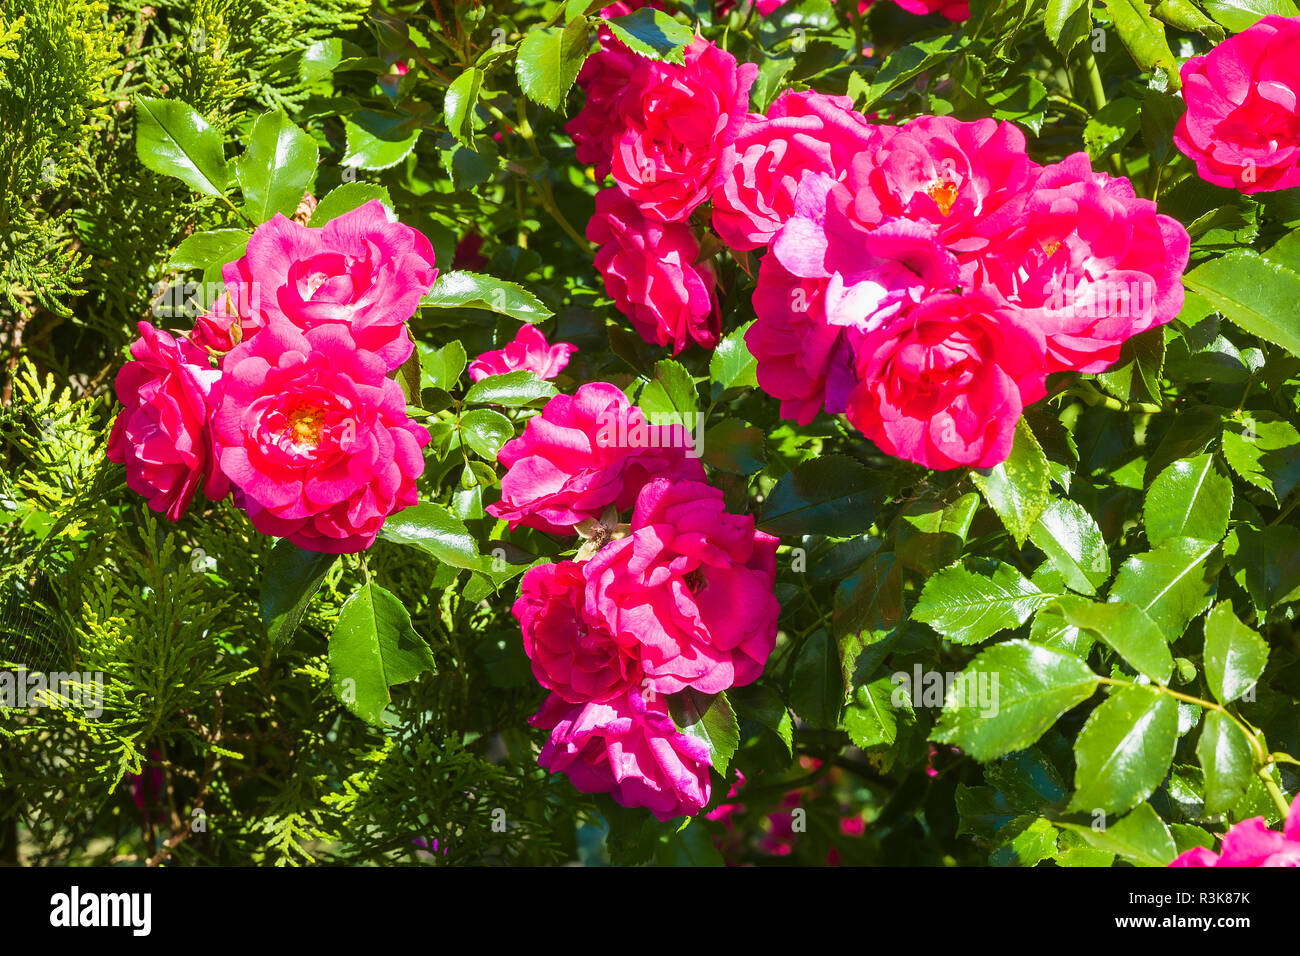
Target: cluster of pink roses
pixel 680 597
pixel 281 394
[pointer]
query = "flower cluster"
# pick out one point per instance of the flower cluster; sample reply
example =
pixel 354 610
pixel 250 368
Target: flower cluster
pixel 281 394
pixel 680 597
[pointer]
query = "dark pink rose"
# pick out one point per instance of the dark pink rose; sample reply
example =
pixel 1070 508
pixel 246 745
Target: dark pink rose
pixel 162 434
pixel 604 77
pixel 945 385
pixel 572 655
pixel 674 122
pixel 628 748
pixel 1093 263
pixel 955 10
pixel 802 132
pixel 528 352
pixel 363 272
pixel 1242 125
pixel 218 329
pixel 691 586
pixel 315 437
pixel 584 453
pixel 1252 843
pixel 469 253
pixel 652 275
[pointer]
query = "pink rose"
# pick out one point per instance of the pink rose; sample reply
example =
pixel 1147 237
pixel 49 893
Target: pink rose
pixel 582 454
pixel 363 272
pixel 674 122
pixel 802 132
pixel 1242 125
pixel 945 385
pixel 628 748
pixel 572 655
pixel 315 437
pixel 652 275
pixel 604 77
pixel 1095 265
pixel 955 10
pixel 1252 843
pixel 529 351
pixel 691 586
pixel 161 434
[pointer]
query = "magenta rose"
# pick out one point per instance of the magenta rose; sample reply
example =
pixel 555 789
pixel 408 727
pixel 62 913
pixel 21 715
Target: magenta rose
pixel 802 132
pixel 674 122
pixel 955 10
pixel 584 453
pixel 629 748
pixel 1242 125
pixel 691 587
pixel 651 273
pixel 363 272
pixel 604 77
pixel 945 385
pixel 1252 843
pixel 572 655
pixel 528 352
pixel 161 434
pixel 315 437
pixel 1093 263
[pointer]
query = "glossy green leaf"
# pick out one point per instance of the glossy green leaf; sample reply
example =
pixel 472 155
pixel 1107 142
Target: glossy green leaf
pixel 1070 538
pixel 1124 750
pixel 212 248
pixel 458 105
pixel 549 61
pixel 1260 296
pixel 1126 629
pixel 432 528
pixel 708 718
pixel 1239 15
pixel 1189 499
pixel 274 170
pixel 732 365
pixel 345 198
pixel 469 290
pixel 1017 488
pixel 292 578
pixel 652 33
pixel 1235 655
pixel 817 687
pixel 1172 584
pixel 1226 761
pixel 486 431
pixel 967 608
pixel 831 495
pixel 378 140
pixel 1141 837
pixel 373 647
pixel 510 390
pixel 173 139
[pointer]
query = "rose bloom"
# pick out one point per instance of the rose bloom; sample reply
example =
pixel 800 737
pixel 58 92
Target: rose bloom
pixel 691 587
pixel 161 434
pixel 362 271
pixel 651 273
pixel 1094 264
pixel 802 132
pixel 955 10
pixel 945 385
pixel 528 352
pixel 1252 843
pixel 1242 125
pixel 629 748
pixel 315 437
pixel 573 656
pixel 604 77
pixel 674 122
pixel 584 453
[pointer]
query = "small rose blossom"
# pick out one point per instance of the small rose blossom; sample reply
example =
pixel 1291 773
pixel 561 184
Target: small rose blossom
pixel 528 352
pixel 162 435
pixel 629 748
pixel 584 453
pixel 1252 843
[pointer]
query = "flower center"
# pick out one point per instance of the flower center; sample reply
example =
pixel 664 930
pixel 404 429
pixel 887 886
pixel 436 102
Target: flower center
pixel 305 425
pixel 944 193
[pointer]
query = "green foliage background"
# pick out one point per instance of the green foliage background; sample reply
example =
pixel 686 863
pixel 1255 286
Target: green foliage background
pixel 1130 575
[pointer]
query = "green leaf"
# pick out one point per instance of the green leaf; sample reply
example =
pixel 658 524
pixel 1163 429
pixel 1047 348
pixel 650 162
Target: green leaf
pixel 872 716
pixel 1070 538
pixel 1136 375
pixel 345 198
pixel 1143 36
pixel 213 248
pixel 732 365
pixel 173 139
pixel 817 684
pixel 1067 22
pixel 374 647
pixel 1234 654
pixel 1239 15
pixel 1226 761
pixel 1017 488
pixel 1025 841
pixel 486 431
pixel 1189 499
pixel 1260 296
pixel 378 140
pixel 831 495
pixel 276 167
pixel 968 608
pixel 708 718
pixel 733 446
pixel 910 61
pixel 1172 583
pixel 1126 629
pixel 1032 685
pixel 1124 750
pixel 762 704
pixel 432 528
pixel 549 61
pixel 1141 837
pixel 293 576
pixel 1265 451
pixel 510 390
pixel 442 367
pixel 469 290
pixel 670 396
pixel 931 534
pixel 458 105
pixel 652 33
